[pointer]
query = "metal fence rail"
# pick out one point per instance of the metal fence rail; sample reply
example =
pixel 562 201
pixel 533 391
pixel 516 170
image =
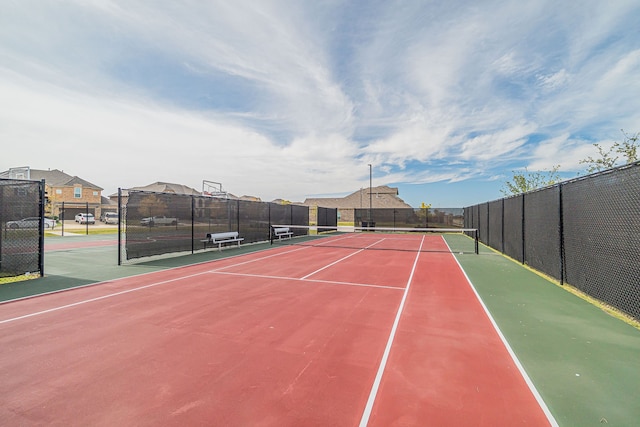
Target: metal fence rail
pixel 584 232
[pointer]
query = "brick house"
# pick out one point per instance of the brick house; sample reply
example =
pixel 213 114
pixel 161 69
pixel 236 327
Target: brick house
pixel 75 192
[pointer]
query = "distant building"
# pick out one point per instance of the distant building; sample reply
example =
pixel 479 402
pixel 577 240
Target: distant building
pixel 381 197
pixel 168 187
pixel 76 194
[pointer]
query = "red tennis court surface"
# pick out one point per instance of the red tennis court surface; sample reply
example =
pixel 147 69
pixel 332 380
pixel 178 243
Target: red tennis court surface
pixel 290 336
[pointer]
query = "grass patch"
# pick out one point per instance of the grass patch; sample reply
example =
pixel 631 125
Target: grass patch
pixel 96 231
pixel 20 278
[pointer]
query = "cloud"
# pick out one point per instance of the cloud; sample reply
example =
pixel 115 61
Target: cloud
pixel 426 92
pixel 563 151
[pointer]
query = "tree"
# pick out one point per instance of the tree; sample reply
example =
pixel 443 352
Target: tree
pixel 628 149
pixel 423 214
pixel 529 181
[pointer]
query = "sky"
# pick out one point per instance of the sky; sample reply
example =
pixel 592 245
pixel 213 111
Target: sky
pixel 445 100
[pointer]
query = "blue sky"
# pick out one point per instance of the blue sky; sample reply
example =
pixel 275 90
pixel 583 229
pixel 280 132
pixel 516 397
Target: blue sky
pixel 294 99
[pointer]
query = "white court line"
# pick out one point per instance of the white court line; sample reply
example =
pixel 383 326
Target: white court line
pixel 340 260
pixel 329 282
pixel 77 303
pixel 298 248
pixel 385 356
pixel 100 298
pixel 524 374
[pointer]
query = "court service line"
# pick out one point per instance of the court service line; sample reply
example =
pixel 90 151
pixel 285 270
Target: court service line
pixel 340 260
pixel 385 356
pixel 299 248
pixel 118 279
pixel 295 279
pixel 77 303
pixel 139 288
pixel 516 361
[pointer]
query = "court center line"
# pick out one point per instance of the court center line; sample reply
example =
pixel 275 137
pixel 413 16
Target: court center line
pixel 299 248
pixel 385 356
pixel 340 260
pixel 296 279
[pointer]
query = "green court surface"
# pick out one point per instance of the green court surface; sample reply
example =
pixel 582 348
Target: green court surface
pixel 583 362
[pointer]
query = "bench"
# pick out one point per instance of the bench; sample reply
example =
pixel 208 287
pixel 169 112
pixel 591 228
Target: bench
pixel 282 232
pixel 221 238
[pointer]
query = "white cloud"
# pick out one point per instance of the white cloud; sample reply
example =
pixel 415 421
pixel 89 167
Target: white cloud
pixel 504 144
pixel 555 80
pixel 424 91
pixel 562 151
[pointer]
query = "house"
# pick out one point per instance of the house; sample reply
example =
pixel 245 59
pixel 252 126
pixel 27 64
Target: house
pixel 168 187
pixel 381 197
pixel 376 197
pixel 73 193
pixel 157 187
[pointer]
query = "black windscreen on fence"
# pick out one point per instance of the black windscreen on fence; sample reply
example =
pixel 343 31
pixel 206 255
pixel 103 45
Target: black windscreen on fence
pixel 161 223
pixel 253 225
pixel 410 217
pixel 495 224
pixel 584 232
pixel 483 222
pixel 157 223
pixel 542 231
pixel 513 227
pixel 327 217
pixel 602 237
pixel 21 227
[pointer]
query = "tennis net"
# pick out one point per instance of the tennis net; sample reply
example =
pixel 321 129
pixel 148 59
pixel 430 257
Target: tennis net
pixel 456 240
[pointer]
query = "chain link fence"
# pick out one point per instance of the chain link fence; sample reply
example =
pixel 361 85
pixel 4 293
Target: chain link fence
pixel 584 232
pixel 162 223
pixel 409 217
pixel 22 226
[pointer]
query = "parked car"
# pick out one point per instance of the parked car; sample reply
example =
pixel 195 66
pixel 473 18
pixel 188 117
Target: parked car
pixel 111 218
pixel 85 218
pixel 31 222
pixel 158 220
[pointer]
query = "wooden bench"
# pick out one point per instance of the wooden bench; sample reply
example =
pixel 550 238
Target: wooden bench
pixel 221 238
pixel 282 232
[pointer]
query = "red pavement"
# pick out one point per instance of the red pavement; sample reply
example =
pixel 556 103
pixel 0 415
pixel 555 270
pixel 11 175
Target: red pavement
pixel 291 336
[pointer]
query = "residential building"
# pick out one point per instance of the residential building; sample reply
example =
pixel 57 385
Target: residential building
pixel 375 197
pixel 63 190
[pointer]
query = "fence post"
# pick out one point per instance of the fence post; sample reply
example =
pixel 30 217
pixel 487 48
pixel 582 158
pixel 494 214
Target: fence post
pixel 192 223
pixel 502 228
pixel 561 231
pixel 41 249
pixel 119 226
pixel 524 257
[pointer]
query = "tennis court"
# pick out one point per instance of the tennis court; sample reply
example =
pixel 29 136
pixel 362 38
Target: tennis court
pixel 323 334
